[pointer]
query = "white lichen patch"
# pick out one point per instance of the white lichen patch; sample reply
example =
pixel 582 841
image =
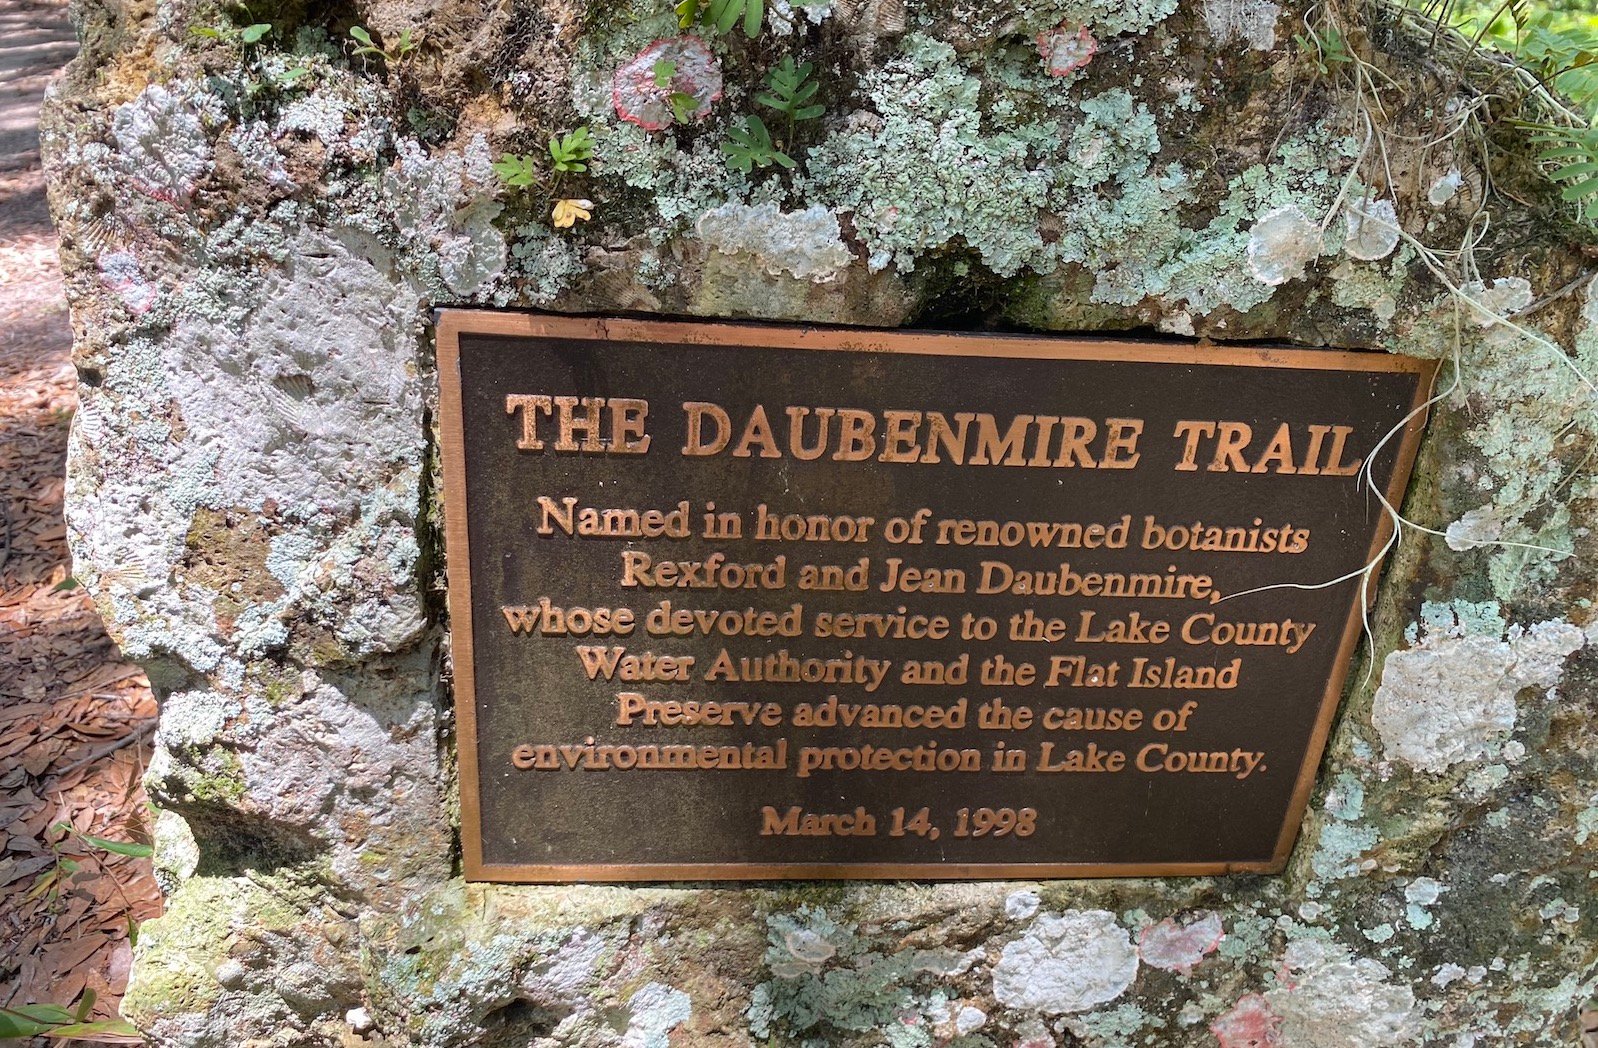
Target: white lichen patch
pixel 1332 1000
pixel 656 1010
pixel 1371 229
pixel 564 979
pixel 312 401
pixel 120 273
pixel 1069 963
pixel 162 146
pixel 1491 302
pixel 1420 894
pixel 1451 697
pixel 806 244
pixel 1281 244
pixel 177 855
pixel 319 114
pixel 1252 21
pixel 194 718
pixel 1445 187
pixel 1481 526
pixel 1018 906
pixel 808 950
pixel 444 207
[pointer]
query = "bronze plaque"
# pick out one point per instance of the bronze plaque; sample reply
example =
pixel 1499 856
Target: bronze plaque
pixel 736 601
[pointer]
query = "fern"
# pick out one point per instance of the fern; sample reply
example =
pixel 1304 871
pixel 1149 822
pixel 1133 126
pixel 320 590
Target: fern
pixel 1563 56
pixel 1327 50
pixel 789 88
pixel 722 15
pixel 750 146
pixel 520 172
pixel 366 47
pixel 571 151
pixel 231 34
pixel 1574 153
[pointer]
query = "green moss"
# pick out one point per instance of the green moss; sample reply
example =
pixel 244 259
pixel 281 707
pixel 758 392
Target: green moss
pixel 219 779
pixel 179 952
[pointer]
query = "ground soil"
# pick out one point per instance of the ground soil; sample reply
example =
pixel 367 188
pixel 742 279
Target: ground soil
pixel 75 719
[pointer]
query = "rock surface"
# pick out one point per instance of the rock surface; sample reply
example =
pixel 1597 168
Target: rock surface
pixel 255 225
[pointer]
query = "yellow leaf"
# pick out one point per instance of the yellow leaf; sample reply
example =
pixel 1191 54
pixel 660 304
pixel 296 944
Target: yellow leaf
pixel 567 212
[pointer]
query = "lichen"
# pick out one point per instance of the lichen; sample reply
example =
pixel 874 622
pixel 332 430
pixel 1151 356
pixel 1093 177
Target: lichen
pixel 806 244
pixel 253 245
pixel 830 981
pixel 1452 697
pixel 1066 963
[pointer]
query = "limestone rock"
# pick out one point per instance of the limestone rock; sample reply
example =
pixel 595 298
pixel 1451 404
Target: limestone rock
pixel 254 235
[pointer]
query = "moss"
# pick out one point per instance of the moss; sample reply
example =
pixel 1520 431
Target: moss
pixel 180 951
pixel 221 780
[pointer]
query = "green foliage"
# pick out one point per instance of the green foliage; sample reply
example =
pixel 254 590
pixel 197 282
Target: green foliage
pixel 664 70
pixel 139 851
pixel 789 89
pixel 722 15
pixel 684 106
pixel 1565 57
pixel 1556 38
pixel 749 146
pixel 366 47
pixel 1573 154
pixel 53 1021
pixel 1327 49
pixel 291 76
pixel 233 35
pixel 518 171
pixel 48 884
pixel 571 151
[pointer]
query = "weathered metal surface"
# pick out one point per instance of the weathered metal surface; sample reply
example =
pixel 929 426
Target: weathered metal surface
pixel 697 570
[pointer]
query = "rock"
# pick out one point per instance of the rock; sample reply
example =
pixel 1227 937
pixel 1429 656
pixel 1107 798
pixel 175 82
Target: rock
pixel 254 236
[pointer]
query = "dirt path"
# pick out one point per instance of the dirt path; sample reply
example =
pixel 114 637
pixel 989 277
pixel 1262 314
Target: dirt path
pixel 75 720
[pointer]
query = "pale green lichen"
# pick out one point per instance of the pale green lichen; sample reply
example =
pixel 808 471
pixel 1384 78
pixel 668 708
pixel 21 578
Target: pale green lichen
pixel 1343 838
pixel 829 981
pixel 1464 617
pixel 1105 18
pixel 1373 287
pixel 932 169
pixel 1541 400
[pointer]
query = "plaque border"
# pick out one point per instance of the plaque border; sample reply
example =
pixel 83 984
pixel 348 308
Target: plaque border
pixel 451 323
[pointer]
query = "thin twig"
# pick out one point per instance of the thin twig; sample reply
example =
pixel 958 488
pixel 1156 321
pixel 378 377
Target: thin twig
pixel 137 735
pixel 5 538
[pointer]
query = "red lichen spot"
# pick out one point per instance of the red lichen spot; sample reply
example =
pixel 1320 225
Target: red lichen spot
pixel 671 79
pixel 1066 48
pixel 1250 1024
pixel 1178 947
